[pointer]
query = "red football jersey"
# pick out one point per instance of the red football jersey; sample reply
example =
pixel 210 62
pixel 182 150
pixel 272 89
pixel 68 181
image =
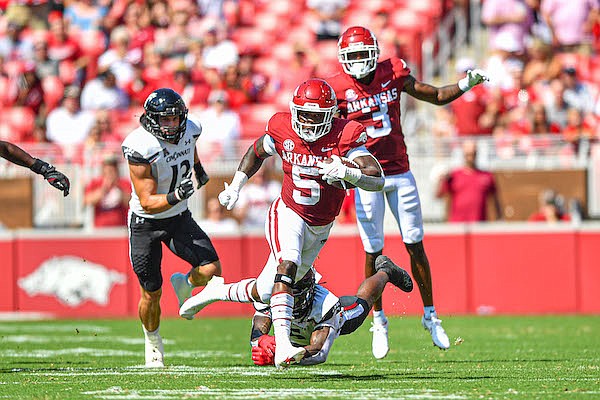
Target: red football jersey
pixel 303 190
pixel 377 107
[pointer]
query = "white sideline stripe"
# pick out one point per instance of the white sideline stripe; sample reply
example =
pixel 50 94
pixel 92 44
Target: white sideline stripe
pixel 50 327
pixel 95 352
pixel 25 316
pixel 116 392
pixel 85 337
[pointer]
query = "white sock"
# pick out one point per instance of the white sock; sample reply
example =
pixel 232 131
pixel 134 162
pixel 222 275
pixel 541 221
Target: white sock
pixel 187 280
pixel 240 292
pixel 282 305
pixel 379 317
pixel 151 334
pixel 429 311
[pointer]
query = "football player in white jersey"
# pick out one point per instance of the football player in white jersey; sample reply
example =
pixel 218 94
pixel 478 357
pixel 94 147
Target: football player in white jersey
pixel 17 155
pixel 161 154
pixel 319 316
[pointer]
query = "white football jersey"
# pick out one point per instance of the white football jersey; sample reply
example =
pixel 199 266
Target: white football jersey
pixel 170 163
pixel 325 305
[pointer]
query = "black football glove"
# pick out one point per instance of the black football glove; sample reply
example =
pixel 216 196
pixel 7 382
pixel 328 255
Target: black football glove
pixel 54 177
pixel 185 189
pixel 201 175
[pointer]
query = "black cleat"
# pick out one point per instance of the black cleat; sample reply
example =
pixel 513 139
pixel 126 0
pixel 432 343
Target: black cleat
pixel 398 277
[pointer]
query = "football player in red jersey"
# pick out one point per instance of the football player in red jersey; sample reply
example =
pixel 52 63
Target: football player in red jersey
pixel 368 91
pixel 299 221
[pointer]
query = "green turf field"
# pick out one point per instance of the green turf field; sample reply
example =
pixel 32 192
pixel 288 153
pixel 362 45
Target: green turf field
pixel 490 358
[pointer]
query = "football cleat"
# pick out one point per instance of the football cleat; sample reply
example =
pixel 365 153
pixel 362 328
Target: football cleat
pixel 380 345
pixel 438 335
pixel 288 355
pixel 208 295
pixel 154 352
pixel 183 290
pixel 398 277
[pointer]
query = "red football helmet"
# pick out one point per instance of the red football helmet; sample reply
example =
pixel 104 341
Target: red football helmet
pixel 362 41
pixel 313 106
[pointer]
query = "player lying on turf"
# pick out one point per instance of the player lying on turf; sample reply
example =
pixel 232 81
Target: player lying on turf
pixel 319 317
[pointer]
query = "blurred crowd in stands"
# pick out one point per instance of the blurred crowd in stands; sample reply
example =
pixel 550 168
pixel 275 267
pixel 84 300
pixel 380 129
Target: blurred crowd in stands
pixel 75 74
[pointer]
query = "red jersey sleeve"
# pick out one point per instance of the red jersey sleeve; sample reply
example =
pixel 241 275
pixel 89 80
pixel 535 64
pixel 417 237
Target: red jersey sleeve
pixel 353 135
pixel 399 67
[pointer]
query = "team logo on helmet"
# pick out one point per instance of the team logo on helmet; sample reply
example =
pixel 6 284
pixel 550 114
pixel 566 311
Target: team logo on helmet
pixel 351 95
pixel 288 144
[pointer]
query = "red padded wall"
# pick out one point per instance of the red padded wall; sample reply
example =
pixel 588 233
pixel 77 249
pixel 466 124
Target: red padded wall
pixel 7 276
pixel 524 273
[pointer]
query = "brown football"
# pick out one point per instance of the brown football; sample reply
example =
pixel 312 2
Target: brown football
pixel 347 162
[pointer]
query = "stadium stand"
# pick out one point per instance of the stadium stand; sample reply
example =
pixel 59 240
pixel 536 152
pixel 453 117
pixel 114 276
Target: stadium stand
pixel 430 34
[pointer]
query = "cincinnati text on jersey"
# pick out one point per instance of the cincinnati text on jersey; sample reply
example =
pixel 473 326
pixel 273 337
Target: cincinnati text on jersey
pixel 177 154
pixel 376 100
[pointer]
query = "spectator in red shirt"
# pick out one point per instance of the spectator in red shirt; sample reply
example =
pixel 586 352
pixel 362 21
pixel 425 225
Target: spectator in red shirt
pixel 468 188
pixel 109 195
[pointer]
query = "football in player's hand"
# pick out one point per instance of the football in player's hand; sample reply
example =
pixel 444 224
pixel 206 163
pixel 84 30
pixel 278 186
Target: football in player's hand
pixel 348 163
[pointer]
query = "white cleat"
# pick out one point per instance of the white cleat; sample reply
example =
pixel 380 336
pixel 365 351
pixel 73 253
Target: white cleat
pixel 438 335
pixel 182 288
pixel 154 352
pixel 287 355
pixel 380 340
pixel 208 295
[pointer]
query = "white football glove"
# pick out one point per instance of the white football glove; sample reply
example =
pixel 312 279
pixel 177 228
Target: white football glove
pixel 333 171
pixel 228 197
pixel 474 77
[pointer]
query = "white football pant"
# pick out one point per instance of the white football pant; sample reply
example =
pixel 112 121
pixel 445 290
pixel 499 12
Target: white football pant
pixel 403 199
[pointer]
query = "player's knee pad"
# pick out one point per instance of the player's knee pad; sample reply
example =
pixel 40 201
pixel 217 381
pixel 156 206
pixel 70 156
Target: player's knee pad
pixel 286 272
pixel 355 311
pixel 285 279
pixel 151 285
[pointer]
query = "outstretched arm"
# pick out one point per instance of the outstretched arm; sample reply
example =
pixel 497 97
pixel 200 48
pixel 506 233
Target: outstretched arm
pixel 321 341
pixel 446 94
pixel 17 155
pixel 262 148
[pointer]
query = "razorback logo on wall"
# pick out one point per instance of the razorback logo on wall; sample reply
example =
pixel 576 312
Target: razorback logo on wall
pixel 72 281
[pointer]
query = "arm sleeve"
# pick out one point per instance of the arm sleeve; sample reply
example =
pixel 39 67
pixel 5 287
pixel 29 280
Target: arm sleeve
pixel 357 152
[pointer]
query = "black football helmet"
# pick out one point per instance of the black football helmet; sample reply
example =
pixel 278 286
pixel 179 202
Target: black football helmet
pixel 304 294
pixel 164 102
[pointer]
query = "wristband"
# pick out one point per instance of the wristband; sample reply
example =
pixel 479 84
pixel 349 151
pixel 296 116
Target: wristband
pixel 38 166
pixel 353 175
pixel 172 198
pixel 239 180
pixel 463 84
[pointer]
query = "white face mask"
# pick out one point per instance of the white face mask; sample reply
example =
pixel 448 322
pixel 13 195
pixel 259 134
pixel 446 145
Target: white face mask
pixel 358 69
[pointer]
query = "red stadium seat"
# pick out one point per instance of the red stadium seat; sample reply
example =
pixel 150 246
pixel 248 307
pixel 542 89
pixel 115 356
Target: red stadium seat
pixel 254 118
pixel 93 43
pixel 250 41
pixel 426 8
pixel 21 121
pixel 67 72
pixel 53 91
pixel 13 68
